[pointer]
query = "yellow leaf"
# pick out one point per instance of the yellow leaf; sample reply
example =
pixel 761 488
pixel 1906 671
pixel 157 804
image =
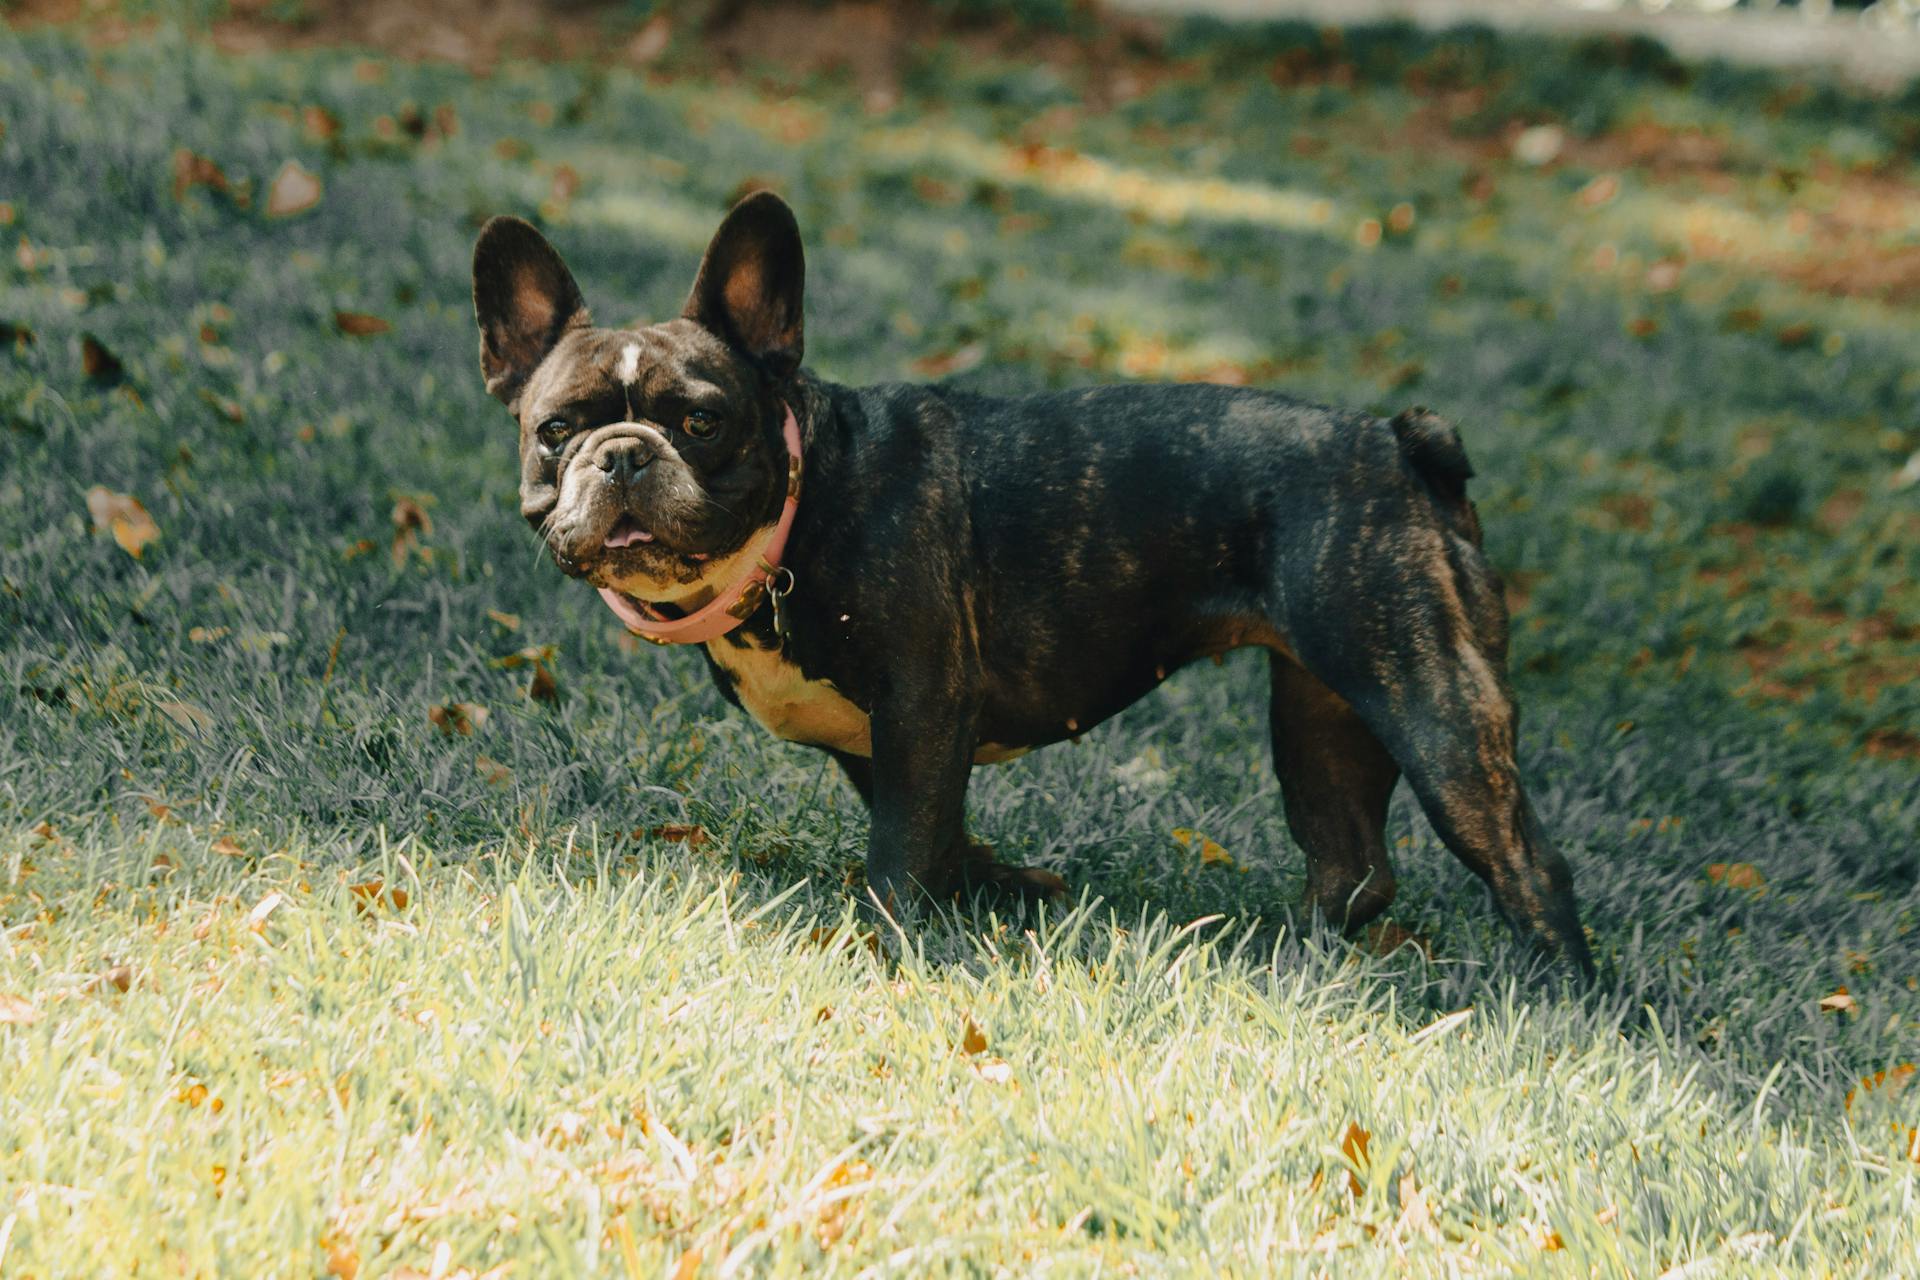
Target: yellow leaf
pixel 1211 854
pixel 973 1040
pixel 1354 1147
pixel 370 894
pixel 17 1012
pixel 121 515
pixel 293 190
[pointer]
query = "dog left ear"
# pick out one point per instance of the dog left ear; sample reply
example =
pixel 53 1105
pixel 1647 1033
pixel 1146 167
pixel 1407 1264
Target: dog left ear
pixel 752 282
pixel 524 298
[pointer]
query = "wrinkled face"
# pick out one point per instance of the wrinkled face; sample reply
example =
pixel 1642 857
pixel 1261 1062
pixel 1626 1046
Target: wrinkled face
pixel 648 456
pixel 651 459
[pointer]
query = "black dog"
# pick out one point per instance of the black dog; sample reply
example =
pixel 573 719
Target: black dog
pixel 918 579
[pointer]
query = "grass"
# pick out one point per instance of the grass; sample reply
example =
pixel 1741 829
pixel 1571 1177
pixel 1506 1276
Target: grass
pixel 293 980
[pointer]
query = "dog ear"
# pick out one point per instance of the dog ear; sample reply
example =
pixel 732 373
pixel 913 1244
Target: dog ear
pixel 524 299
pixel 752 283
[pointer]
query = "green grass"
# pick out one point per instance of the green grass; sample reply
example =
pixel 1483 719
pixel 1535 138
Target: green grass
pixel 577 1037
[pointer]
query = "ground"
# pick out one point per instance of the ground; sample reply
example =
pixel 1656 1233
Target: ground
pixel 369 905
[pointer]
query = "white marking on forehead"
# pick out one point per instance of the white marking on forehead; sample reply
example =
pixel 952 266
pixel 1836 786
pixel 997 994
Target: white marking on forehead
pixel 629 369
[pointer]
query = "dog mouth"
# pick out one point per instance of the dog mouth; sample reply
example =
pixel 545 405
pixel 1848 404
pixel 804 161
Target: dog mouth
pixel 628 533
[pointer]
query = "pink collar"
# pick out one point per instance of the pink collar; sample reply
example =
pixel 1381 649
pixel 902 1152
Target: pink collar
pixel 737 603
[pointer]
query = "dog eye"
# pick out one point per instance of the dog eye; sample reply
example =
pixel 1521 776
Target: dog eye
pixel 700 424
pixel 554 431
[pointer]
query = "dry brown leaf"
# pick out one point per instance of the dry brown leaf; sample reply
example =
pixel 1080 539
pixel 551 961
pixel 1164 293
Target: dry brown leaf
pixel 1839 1002
pixel 191 170
pixel 121 515
pixel 692 836
pixel 495 773
pixel 320 124
pixel 1384 937
pixel 228 847
pixel 544 687
pixel 358 324
pixel 1354 1147
pixel 1737 875
pixel 188 716
pixel 97 362
pixel 293 190
pixel 462 718
pixel 17 1012
pixel 1882 1085
pixel 410 514
pixel 973 1040
pixel 508 621
pixel 119 977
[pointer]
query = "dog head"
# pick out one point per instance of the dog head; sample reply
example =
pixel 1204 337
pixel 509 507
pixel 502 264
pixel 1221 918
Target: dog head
pixel 650 458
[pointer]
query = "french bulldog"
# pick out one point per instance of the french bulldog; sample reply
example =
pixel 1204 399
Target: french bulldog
pixel 919 579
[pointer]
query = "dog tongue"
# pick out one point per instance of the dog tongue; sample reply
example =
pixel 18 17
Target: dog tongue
pixel 625 534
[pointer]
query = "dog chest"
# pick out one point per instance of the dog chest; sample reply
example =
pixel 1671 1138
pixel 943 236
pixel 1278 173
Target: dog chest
pixel 787 704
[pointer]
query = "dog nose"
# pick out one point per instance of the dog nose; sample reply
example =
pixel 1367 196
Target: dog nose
pixel 622 460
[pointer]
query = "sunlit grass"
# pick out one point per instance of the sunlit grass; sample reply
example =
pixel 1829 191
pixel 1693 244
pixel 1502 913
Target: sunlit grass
pixel 581 1045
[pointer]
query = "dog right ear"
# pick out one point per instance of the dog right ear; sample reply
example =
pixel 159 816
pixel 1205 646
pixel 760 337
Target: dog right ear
pixel 524 299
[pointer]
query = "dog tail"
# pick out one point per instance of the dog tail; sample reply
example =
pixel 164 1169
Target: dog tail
pixel 1433 449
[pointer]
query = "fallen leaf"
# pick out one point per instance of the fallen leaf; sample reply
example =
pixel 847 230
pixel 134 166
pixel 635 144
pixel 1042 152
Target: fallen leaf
pixel 1384 937
pixel 123 516
pixel 1354 1147
pixel 228 847
pixel 532 654
pixel 119 977
pixel 99 364
pixel 1211 854
pixel 692 836
pixel 1882 1085
pixel 1839 1002
pixel 947 363
pixel 493 771
pixel 17 1012
pixel 461 718
pixel 994 1071
pixel 544 687
pixel 186 715
pixel 1737 875
pixel 208 635
pixel 358 324
pixel 1601 190
pixel 192 170
pixel 321 125
pixel 650 41
pixel 293 190
pixel 508 621
pixel 257 918
pixel 973 1040
pixel 371 894
pixel 408 513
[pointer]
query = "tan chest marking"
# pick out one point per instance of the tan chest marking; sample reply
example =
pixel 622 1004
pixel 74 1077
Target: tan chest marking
pixel 790 706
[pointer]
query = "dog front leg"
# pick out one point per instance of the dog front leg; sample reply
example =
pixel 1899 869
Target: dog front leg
pixel 922 756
